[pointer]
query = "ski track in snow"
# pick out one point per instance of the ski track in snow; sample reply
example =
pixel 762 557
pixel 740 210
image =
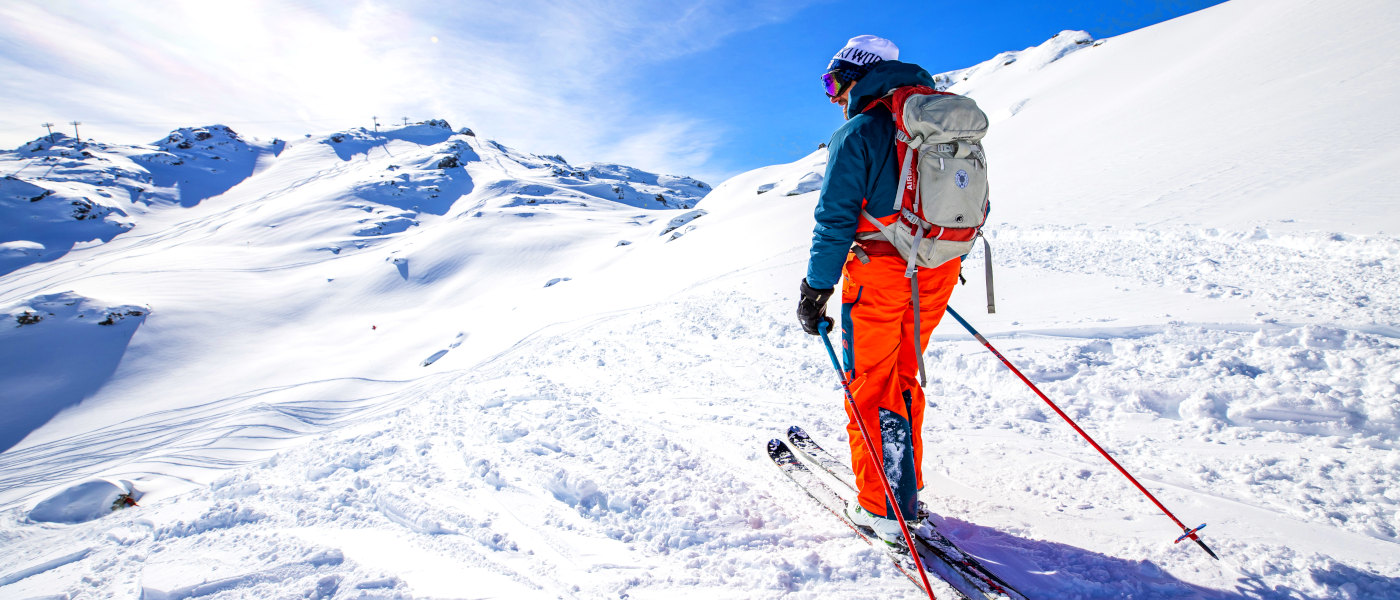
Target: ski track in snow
pixel 620 455
pixel 584 451
pixel 624 451
pixel 212 436
pixel 1339 276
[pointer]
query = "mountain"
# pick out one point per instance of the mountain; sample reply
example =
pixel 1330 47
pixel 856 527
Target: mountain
pixel 60 192
pixel 364 371
pixel 266 263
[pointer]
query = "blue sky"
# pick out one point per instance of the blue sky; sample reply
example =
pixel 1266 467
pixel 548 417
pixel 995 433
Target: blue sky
pixel 708 88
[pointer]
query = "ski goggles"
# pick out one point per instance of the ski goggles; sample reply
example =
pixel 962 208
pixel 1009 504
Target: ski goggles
pixel 840 75
pixel 834 84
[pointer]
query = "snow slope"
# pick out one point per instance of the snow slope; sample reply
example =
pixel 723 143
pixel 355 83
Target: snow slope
pixel 594 429
pixel 264 297
pixel 1274 114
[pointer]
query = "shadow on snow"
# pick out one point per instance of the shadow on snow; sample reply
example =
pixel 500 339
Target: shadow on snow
pixel 1044 569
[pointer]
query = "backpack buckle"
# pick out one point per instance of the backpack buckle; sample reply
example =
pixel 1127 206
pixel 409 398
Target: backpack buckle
pixel 914 221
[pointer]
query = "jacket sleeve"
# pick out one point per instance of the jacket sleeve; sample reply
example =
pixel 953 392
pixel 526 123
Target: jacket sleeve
pixel 838 206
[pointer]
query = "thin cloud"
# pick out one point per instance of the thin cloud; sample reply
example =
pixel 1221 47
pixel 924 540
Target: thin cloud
pixel 670 141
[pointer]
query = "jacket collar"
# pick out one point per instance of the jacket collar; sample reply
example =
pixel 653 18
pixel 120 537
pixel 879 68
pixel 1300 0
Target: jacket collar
pixel 884 76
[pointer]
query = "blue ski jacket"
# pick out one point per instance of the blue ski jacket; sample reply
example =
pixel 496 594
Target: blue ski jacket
pixel 862 163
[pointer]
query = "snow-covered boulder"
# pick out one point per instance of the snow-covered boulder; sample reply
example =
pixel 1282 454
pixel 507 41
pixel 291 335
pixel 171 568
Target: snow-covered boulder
pixel 86 501
pixel 41 220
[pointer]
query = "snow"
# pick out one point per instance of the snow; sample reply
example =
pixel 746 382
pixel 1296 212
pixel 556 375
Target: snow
pixel 84 502
pixel 61 348
pixel 417 363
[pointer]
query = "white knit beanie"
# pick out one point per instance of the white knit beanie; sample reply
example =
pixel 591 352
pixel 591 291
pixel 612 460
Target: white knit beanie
pixel 862 51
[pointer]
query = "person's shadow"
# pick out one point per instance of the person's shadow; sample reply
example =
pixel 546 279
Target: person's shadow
pixel 1049 570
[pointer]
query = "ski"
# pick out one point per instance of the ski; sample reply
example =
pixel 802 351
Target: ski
pixel 930 540
pixel 948 581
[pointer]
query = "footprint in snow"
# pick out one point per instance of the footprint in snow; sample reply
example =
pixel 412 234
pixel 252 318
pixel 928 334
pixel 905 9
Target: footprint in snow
pixel 441 353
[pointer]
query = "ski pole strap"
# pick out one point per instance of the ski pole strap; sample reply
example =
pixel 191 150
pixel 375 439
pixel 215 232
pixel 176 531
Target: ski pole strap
pixel 1189 533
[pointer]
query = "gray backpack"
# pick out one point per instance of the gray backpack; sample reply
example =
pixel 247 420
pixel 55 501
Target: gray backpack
pixel 942 200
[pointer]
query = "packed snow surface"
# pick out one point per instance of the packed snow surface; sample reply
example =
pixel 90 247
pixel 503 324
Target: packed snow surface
pixel 415 363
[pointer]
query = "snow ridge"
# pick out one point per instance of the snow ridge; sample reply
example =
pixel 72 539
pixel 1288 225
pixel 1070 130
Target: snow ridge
pixel 1034 58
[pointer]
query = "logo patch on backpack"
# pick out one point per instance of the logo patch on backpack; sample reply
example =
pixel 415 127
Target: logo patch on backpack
pixel 960 178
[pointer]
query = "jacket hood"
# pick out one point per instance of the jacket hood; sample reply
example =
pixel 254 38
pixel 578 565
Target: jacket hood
pixel 883 77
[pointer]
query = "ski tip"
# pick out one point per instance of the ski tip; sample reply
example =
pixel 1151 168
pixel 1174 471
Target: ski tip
pixel 802 441
pixel 781 454
pixel 776 447
pixel 797 433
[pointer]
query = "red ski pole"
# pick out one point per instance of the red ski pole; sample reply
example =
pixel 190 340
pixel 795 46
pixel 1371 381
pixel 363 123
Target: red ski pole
pixel 1187 532
pixel 870 447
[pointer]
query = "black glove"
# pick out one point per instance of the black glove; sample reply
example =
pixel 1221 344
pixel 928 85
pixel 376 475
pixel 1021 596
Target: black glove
pixel 811 308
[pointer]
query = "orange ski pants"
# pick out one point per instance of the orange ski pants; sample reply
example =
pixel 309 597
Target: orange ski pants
pixel 881 358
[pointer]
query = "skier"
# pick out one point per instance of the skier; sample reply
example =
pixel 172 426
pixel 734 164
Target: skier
pixel 879 351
